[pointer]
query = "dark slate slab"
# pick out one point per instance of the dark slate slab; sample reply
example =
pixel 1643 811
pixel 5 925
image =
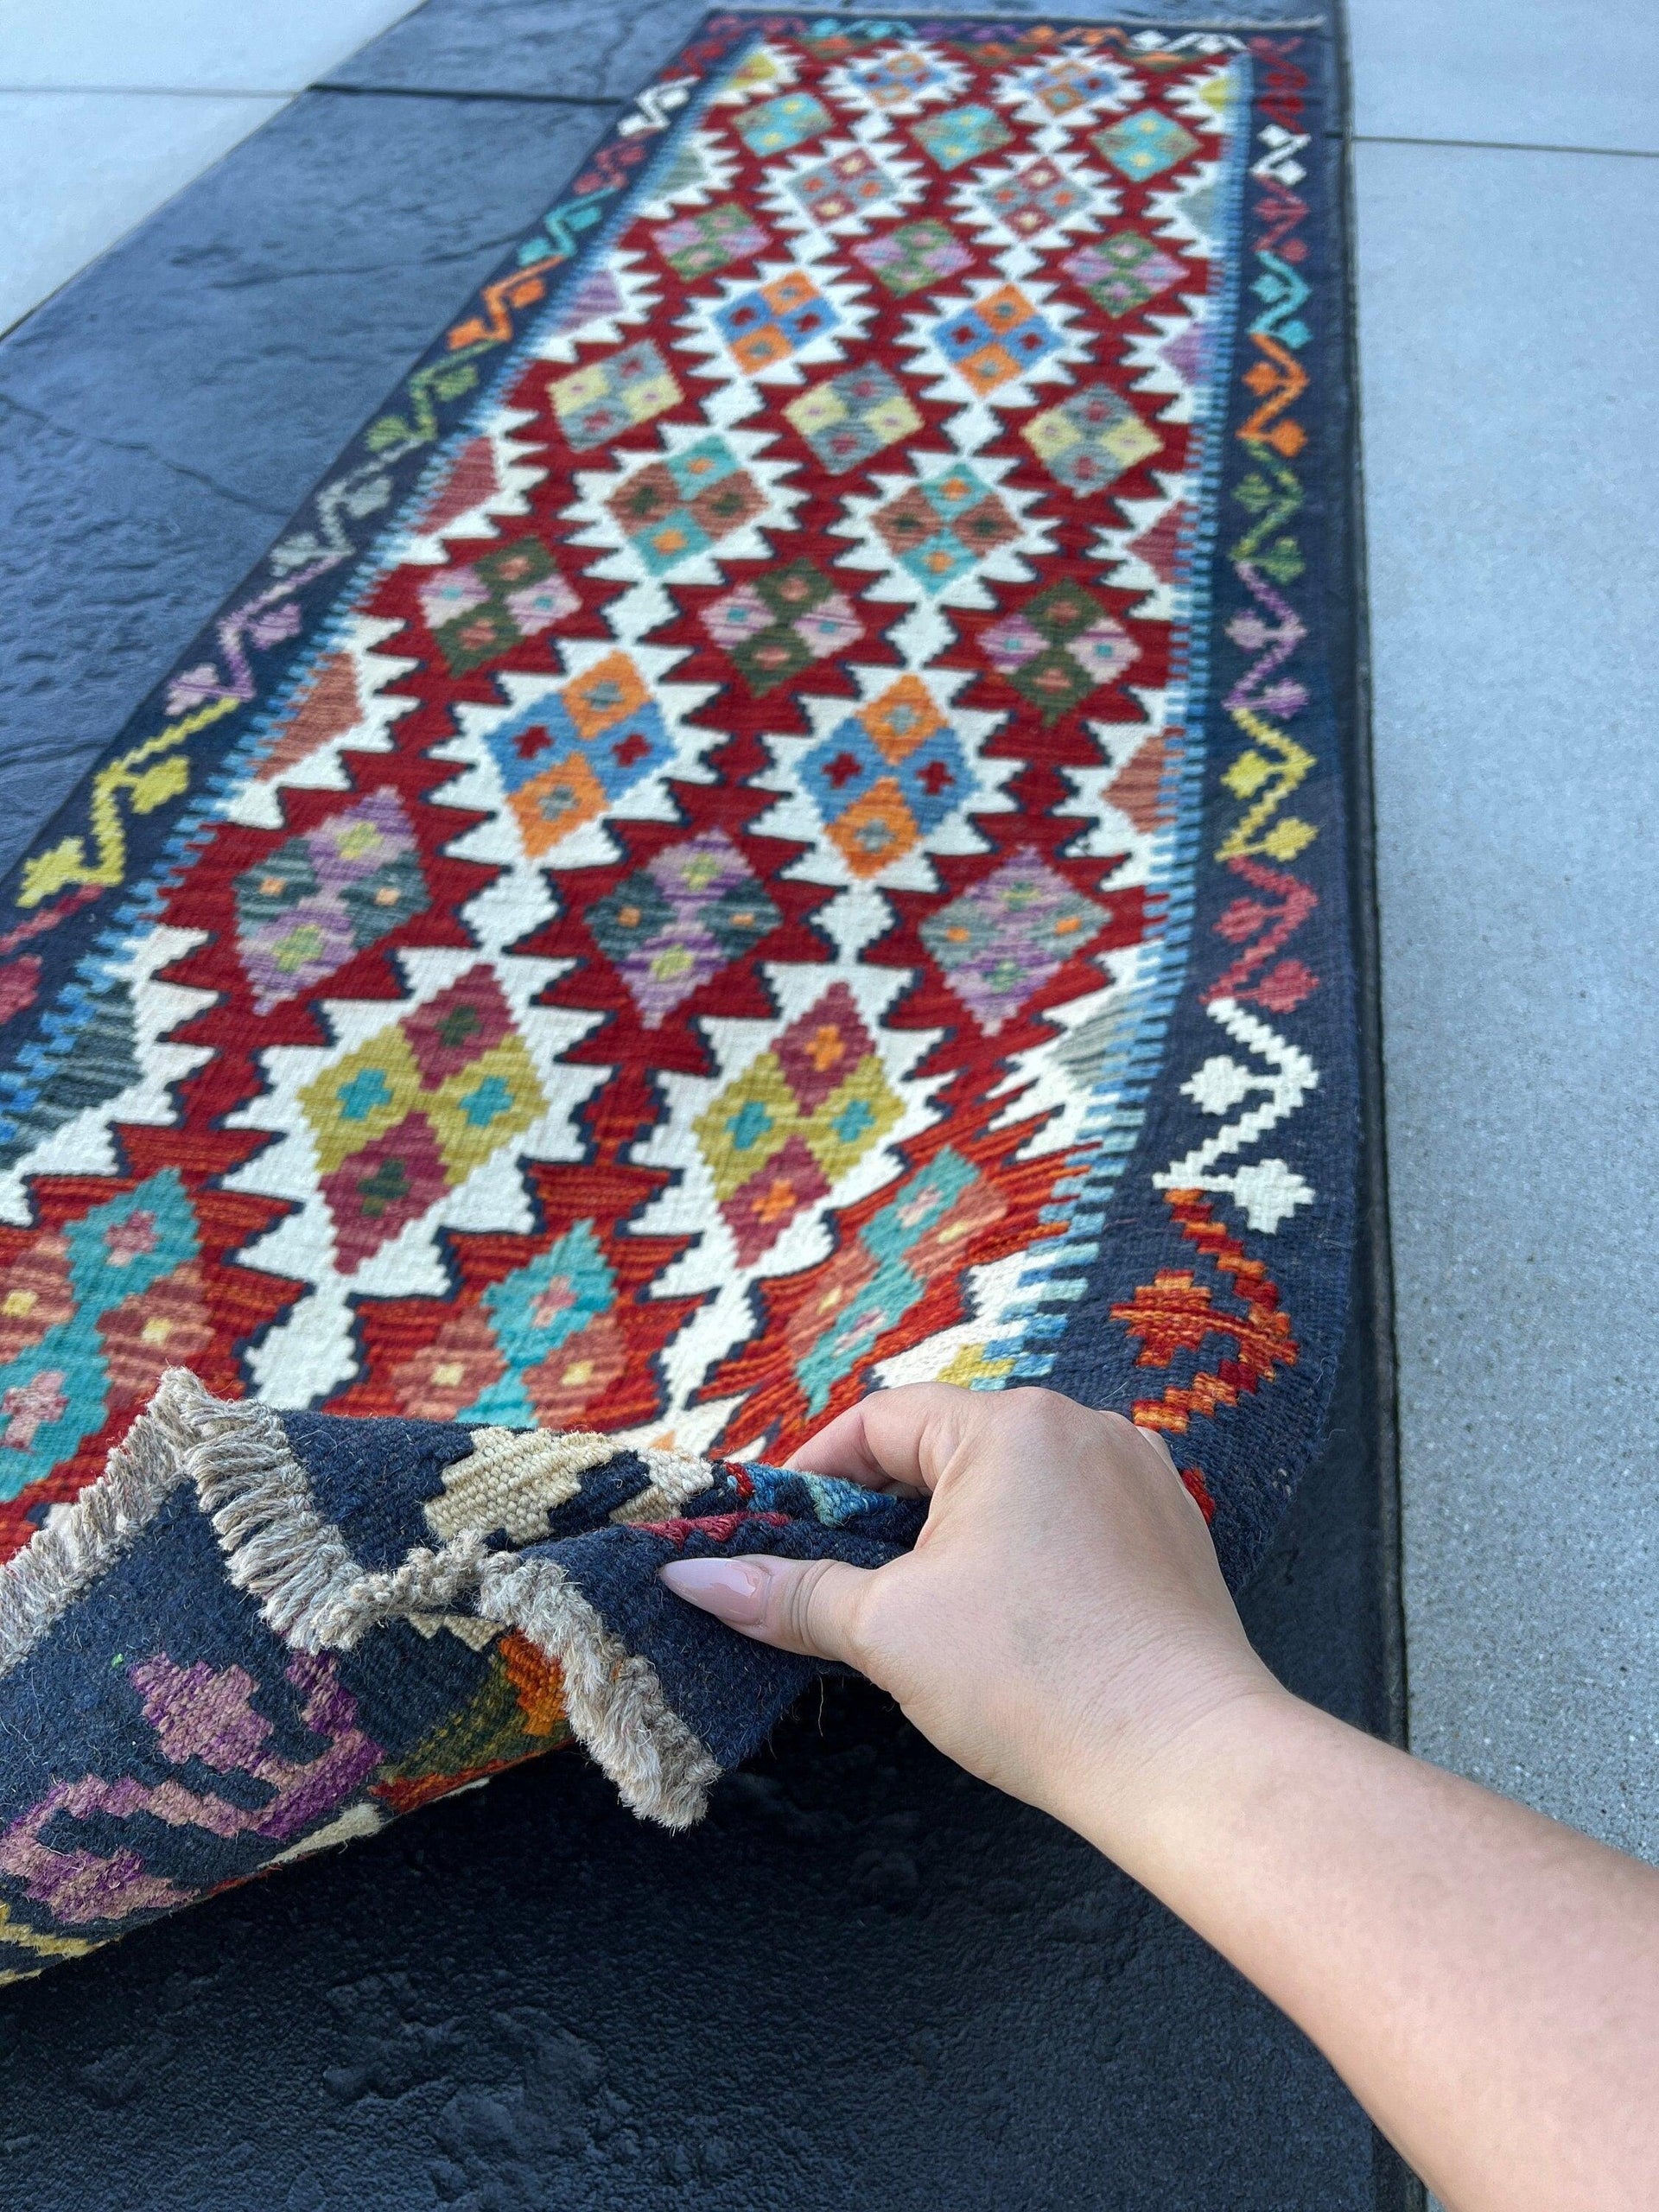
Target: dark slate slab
pixel 162 416
pixel 867 1980
pixel 597 49
pixel 588 49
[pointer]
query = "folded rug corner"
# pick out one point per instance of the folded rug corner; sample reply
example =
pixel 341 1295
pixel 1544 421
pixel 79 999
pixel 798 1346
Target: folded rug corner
pixel 428 1603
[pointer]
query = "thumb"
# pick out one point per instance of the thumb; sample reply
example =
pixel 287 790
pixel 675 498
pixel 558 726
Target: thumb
pixel 805 1605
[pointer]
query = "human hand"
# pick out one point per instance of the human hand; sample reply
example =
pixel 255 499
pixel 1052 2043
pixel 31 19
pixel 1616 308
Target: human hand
pixel 1062 1623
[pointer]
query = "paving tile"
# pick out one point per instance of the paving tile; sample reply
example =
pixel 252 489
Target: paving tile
pixel 1510 381
pixel 1041 2032
pixel 865 1980
pixel 162 416
pixel 184 45
pixel 78 170
pixel 554 48
pixel 591 48
pixel 1556 72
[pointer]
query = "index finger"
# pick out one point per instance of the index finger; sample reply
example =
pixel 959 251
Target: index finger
pixel 893 1439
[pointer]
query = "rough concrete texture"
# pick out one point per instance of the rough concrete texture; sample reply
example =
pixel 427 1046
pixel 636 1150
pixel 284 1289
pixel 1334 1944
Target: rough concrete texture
pixel 261 46
pixel 1553 73
pixel 867 1980
pixel 161 419
pixel 1512 480
pixel 77 169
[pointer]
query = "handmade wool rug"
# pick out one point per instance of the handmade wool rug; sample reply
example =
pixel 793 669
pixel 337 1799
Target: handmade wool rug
pixel 774 828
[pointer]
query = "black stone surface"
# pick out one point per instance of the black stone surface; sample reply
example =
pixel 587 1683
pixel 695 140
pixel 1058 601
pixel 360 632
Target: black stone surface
pixel 554 47
pixel 163 415
pixel 867 1980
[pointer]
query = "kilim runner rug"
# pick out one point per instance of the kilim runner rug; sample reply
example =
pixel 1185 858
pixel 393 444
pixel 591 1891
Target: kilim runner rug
pixel 772 829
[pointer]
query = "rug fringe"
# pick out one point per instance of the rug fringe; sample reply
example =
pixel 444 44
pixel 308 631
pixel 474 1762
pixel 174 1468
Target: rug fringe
pixel 315 1595
pixel 614 1697
pixel 164 1449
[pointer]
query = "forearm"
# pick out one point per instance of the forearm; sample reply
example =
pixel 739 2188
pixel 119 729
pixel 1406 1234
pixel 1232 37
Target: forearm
pixel 1485 1980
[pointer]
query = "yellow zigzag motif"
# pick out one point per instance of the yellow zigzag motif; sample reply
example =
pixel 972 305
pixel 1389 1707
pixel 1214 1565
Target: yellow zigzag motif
pixel 145 787
pixel 1273 765
pixel 43 1947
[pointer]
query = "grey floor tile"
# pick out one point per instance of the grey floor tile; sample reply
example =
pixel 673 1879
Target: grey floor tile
pixel 1510 388
pixel 161 417
pixel 201 45
pixel 1556 73
pixel 78 170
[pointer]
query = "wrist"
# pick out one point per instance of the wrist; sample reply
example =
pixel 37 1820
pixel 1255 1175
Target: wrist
pixel 1181 1774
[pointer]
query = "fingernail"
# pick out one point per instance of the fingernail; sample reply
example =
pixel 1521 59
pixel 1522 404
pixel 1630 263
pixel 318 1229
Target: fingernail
pixel 729 1588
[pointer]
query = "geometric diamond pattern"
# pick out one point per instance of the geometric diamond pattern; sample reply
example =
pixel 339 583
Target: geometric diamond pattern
pixel 1073 83
pixel 415 1110
pixel 895 77
pixel 781 623
pixel 886 776
pixel 673 510
pixel 1034 199
pixel 694 246
pixel 942 528
pixel 800 1116
pixel 675 924
pixel 1146 144
pixel 998 339
pixel 475 611
pixel 311 905
pixel 851 417
pixel 91 1317
pixel 1059 648
pixel 1088 439
pixel 1002 941
pixel 565 757
pixel 781 124
pixel 961 134
pixel 839 188
pixel 598 405
pixel 765 325
pixel 915 256
pixel 1123 272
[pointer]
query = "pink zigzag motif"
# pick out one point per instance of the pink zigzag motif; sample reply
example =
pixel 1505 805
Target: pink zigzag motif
pixel 1263 929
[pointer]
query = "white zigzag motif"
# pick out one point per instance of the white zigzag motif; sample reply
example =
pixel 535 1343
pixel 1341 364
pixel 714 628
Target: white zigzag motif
pixel 1266 1191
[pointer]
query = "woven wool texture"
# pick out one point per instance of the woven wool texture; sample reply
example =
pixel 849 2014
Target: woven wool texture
pixel 774 828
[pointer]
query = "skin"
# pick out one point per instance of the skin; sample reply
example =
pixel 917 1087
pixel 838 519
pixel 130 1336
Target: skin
pixel 1485 1979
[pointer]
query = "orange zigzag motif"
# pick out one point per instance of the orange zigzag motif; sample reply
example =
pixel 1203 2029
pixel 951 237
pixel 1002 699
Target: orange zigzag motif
pixel 1176 1312
pixel 1279 382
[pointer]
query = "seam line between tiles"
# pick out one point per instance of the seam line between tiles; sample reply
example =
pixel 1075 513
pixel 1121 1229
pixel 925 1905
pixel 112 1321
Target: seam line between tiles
pixel 293 91
pixel 464 92
pixel 1505 146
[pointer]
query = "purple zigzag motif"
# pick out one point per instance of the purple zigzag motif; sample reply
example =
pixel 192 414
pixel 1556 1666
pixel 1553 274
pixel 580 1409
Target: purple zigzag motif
pixel 1275 643
pixel 197 1712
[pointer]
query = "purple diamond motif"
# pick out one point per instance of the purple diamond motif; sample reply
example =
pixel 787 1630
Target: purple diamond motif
pixel 675 922
pixel 306 908
pixel 1011 933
